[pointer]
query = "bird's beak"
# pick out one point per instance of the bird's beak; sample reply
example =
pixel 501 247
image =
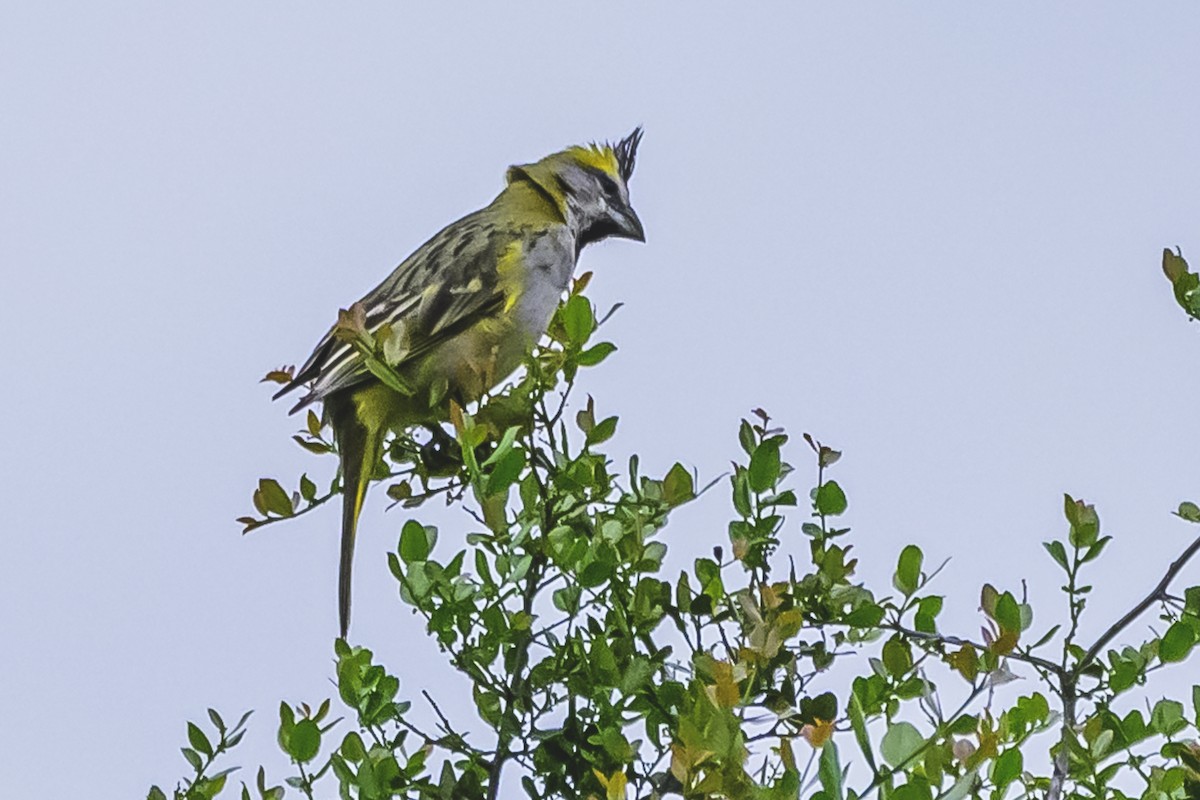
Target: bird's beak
pixel 629 226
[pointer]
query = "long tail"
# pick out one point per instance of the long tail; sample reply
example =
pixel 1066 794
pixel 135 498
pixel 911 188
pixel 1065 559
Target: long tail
pixel 359 447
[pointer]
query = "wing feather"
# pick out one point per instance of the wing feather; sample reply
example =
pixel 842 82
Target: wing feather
pixel 447 285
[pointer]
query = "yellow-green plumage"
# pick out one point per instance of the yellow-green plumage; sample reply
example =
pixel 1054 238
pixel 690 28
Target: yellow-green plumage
pixel 460 314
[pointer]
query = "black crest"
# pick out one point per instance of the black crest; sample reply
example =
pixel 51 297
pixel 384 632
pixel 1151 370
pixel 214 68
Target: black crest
pixel 626 152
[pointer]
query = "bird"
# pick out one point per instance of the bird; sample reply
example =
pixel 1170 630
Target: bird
pixel 461 313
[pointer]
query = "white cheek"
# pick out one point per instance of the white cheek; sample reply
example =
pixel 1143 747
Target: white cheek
pixel 603 204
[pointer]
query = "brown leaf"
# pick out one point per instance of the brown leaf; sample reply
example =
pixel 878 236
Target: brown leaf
pixel 456 417
pixel 818 733
pixel 351 323
pixel 726 694
pixel 965 661
pixel 281 375
pixel 581 283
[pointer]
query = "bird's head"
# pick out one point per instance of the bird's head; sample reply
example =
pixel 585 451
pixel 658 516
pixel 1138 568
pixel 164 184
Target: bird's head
pixel 590 186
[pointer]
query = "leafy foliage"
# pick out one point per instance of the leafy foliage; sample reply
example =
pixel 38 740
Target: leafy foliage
pixel 596 674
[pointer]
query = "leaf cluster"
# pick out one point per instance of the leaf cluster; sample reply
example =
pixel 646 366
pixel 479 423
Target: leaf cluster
pixel 597 673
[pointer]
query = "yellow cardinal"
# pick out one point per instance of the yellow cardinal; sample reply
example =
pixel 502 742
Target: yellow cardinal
pixel 461 313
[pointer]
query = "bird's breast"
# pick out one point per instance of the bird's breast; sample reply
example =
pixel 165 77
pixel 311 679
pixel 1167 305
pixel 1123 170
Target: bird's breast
pixel 534 277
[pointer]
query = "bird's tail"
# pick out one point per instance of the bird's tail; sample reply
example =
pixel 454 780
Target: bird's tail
pixel 359 446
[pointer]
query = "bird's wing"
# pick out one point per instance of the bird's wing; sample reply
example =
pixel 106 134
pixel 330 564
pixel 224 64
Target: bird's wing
pixel 446 286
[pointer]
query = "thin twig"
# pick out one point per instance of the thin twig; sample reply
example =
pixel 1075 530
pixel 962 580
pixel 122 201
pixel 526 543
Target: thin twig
pixel 446 726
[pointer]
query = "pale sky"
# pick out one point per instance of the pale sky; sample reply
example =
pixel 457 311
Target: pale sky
pixel 927 233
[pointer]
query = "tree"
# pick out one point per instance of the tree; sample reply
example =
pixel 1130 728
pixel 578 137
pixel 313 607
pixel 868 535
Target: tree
pixel 596 675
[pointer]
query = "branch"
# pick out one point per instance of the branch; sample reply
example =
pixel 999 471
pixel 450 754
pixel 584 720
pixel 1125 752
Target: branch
pixel 1033 660
pixel 1069 679
pixel 452 740
pixel 253 524
pixel 516 687
pixel 1159 593
pixel 939 732
pixel 1062 759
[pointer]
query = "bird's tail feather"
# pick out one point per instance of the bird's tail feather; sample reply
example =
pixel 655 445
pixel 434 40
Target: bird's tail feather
pixel 359 447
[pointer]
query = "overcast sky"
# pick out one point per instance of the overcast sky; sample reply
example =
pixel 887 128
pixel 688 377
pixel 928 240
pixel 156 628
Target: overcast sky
pixel 929 234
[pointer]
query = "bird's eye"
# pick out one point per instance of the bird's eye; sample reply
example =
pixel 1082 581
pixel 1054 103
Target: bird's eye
pixel 609 187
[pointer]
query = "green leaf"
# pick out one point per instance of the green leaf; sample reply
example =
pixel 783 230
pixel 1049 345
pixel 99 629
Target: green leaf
pixel 1085 523
pixel 1177 642
pixel 156 794
pixel 1058 552
pixel 1102 744
pixel 414 542
pixel 677 486
pixel 741 491
pixel 1008 613
pixel 829 771
pixel 603 431
pixel 274 498
pixel 585 418
pixel 765 465
pixel 1174 265
pixel 917 788
pixel 388 376
pixel 1095 550
pixel 566 599
pixel 987 599
pixel 1191 601
pixel 746 437
pixel 867 615
pixel 198 740
pixel 506 471
pixel 1047 636
pixel 962 787
pixel 830 499
pixel 858 724
pixel 192 757
pixel 305 741
pixel 908 571
pixel 1026 615
pixel 595 354
pixel 1167 717
pixel 317 448
pixel 1184 282
pixel 1188 511
pixel 821 707
pixel 353 749
pixel 506 443
pixel 578 319
pixel 897 656
pixel 1007 767
pixel 1133 727
pixel 901 742
pixel 787 498
pixel 927 611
